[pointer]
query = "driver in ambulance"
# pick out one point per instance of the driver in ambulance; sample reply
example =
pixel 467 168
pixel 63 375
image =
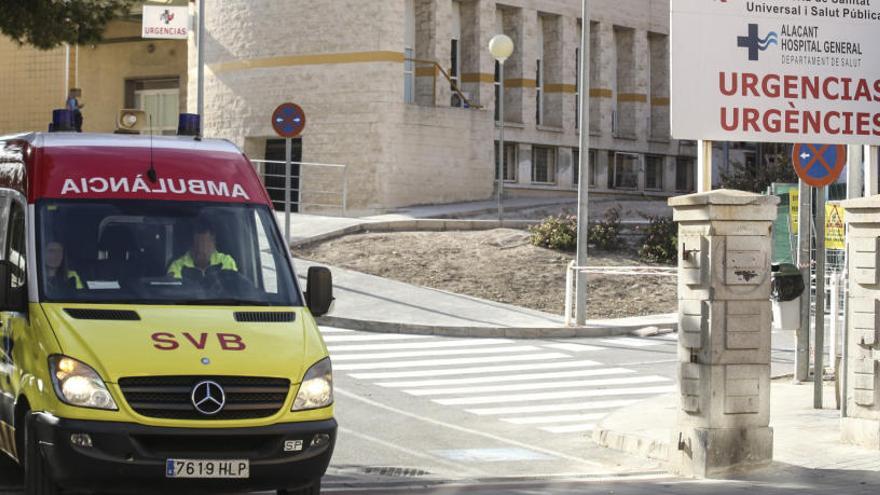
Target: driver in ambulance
pixel 202 256
pixel 58 276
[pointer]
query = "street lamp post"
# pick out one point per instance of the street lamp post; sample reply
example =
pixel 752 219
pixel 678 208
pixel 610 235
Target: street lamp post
pixel 501 48
pixel 583 218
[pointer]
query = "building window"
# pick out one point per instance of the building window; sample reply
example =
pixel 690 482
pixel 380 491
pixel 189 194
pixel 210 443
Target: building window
pixel 626 171
pixel 543 165
pixel 409 51
pixel 409 82
pixel 455 56
pixel 510 162
pixel 594 167
pixel 162 106
pixel 454 74
pixel 684 174
pixel 539 98
pixel 654 172
pixel 658 97
pixel 159 98
pixel 577 88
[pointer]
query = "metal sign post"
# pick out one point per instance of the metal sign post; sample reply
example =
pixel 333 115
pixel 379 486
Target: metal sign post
pixel 289 121
pixel 818 166
pixel 819 339
pixel 287 166
pixel 804 259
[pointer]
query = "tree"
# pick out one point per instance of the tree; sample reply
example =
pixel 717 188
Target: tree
pixel 47 24
pixel 758 178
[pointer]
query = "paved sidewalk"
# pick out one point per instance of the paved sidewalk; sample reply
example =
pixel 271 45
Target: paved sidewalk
pixel 803 438
pixel 370 303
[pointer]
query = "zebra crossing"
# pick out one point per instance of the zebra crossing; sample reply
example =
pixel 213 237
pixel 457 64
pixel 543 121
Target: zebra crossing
pixel 557 387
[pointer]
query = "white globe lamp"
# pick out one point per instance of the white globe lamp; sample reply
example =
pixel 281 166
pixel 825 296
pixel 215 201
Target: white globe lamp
pixel 501 47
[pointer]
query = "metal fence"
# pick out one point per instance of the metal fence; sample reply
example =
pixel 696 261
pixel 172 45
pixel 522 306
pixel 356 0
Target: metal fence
pixel 640 271
pixel 314 187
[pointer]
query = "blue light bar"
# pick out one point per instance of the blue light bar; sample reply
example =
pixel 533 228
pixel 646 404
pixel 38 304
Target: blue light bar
pixel 62 121
pixel 189 124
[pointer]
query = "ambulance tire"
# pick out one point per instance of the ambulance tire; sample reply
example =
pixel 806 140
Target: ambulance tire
pixel 313 489
pixel 37 479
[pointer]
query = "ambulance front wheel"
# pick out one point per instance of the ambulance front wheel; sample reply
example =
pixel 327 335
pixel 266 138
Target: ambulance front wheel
pixel 313 489
pixel 37 472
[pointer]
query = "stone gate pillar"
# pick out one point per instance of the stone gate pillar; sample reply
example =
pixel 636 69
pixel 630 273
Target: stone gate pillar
pixel 862 426
pixel 724 243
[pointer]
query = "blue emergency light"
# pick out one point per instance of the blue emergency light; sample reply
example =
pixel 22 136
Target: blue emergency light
pixel 189 124
pixel 62 121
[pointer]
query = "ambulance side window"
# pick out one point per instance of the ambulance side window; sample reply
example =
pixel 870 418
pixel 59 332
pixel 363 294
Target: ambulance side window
pixel 15 247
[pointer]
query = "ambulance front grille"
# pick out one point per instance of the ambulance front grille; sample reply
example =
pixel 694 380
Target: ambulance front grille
pixel 170 397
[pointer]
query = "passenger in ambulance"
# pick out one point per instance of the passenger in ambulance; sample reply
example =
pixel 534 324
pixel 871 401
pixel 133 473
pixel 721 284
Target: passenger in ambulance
pixel 202 258
pixel 58 275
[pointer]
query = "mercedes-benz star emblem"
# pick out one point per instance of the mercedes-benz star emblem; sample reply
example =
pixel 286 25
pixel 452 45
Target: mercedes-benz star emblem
pixel 208 398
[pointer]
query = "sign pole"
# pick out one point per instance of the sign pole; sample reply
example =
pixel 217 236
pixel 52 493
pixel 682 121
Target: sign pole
pixel 854 181
pixel 819 346
pixel 289 121
pixel 704 166
pixel 802 337
pixel 287 165
pixel 583 221
pixel 200 98
pixel 871 169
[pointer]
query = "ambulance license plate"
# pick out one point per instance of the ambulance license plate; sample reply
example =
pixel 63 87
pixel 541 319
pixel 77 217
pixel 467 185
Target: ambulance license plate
pixel 194 468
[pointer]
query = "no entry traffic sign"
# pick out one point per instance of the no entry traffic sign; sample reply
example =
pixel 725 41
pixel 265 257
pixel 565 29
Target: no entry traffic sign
pixel 288 120
pixel 818 164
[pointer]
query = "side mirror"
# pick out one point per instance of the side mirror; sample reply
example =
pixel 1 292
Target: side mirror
pixel 319 294
pixel 11 299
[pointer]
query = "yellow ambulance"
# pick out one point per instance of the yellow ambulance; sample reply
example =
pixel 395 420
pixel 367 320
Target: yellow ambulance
pixel 153 335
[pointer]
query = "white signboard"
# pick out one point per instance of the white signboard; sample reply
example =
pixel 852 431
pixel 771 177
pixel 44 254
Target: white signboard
pixel 165 22
pixel 776 70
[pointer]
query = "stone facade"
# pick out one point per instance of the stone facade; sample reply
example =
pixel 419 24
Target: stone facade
pixel 349 75
pixel 862 424
pixel 370 76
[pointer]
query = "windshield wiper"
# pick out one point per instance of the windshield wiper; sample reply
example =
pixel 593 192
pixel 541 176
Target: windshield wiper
pixel 220 302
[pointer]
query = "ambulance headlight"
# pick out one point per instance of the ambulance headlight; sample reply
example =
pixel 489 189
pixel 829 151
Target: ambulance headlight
pixel 316 389
pixel 79 385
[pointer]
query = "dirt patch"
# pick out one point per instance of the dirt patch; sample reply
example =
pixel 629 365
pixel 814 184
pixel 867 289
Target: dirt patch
pixel 499 265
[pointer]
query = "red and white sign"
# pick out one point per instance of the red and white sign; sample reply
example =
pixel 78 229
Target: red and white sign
pixel 121 173
pixel 288 120
pixel 164 22
pixel 776 71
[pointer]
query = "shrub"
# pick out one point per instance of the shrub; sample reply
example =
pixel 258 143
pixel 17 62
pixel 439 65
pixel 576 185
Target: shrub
pixel 661 241
pixel 605 234
pixel 556 233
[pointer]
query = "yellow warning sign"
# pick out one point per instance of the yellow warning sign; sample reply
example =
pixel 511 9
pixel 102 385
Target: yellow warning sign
pixel 835 222
pixel 835 227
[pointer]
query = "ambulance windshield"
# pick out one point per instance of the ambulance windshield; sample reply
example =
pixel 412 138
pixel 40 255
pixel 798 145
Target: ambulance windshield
pixel 151 252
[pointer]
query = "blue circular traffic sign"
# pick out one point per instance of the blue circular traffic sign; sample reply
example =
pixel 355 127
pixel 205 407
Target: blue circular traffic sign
pixel 288 120
pixel 818 164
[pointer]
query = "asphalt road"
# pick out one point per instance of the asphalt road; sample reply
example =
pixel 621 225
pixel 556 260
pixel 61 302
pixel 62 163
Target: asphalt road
pixel 424 414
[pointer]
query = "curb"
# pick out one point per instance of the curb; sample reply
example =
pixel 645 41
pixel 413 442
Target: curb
pixel 629 443
pixel 486 332
pixel 414 225
pixel 618 438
